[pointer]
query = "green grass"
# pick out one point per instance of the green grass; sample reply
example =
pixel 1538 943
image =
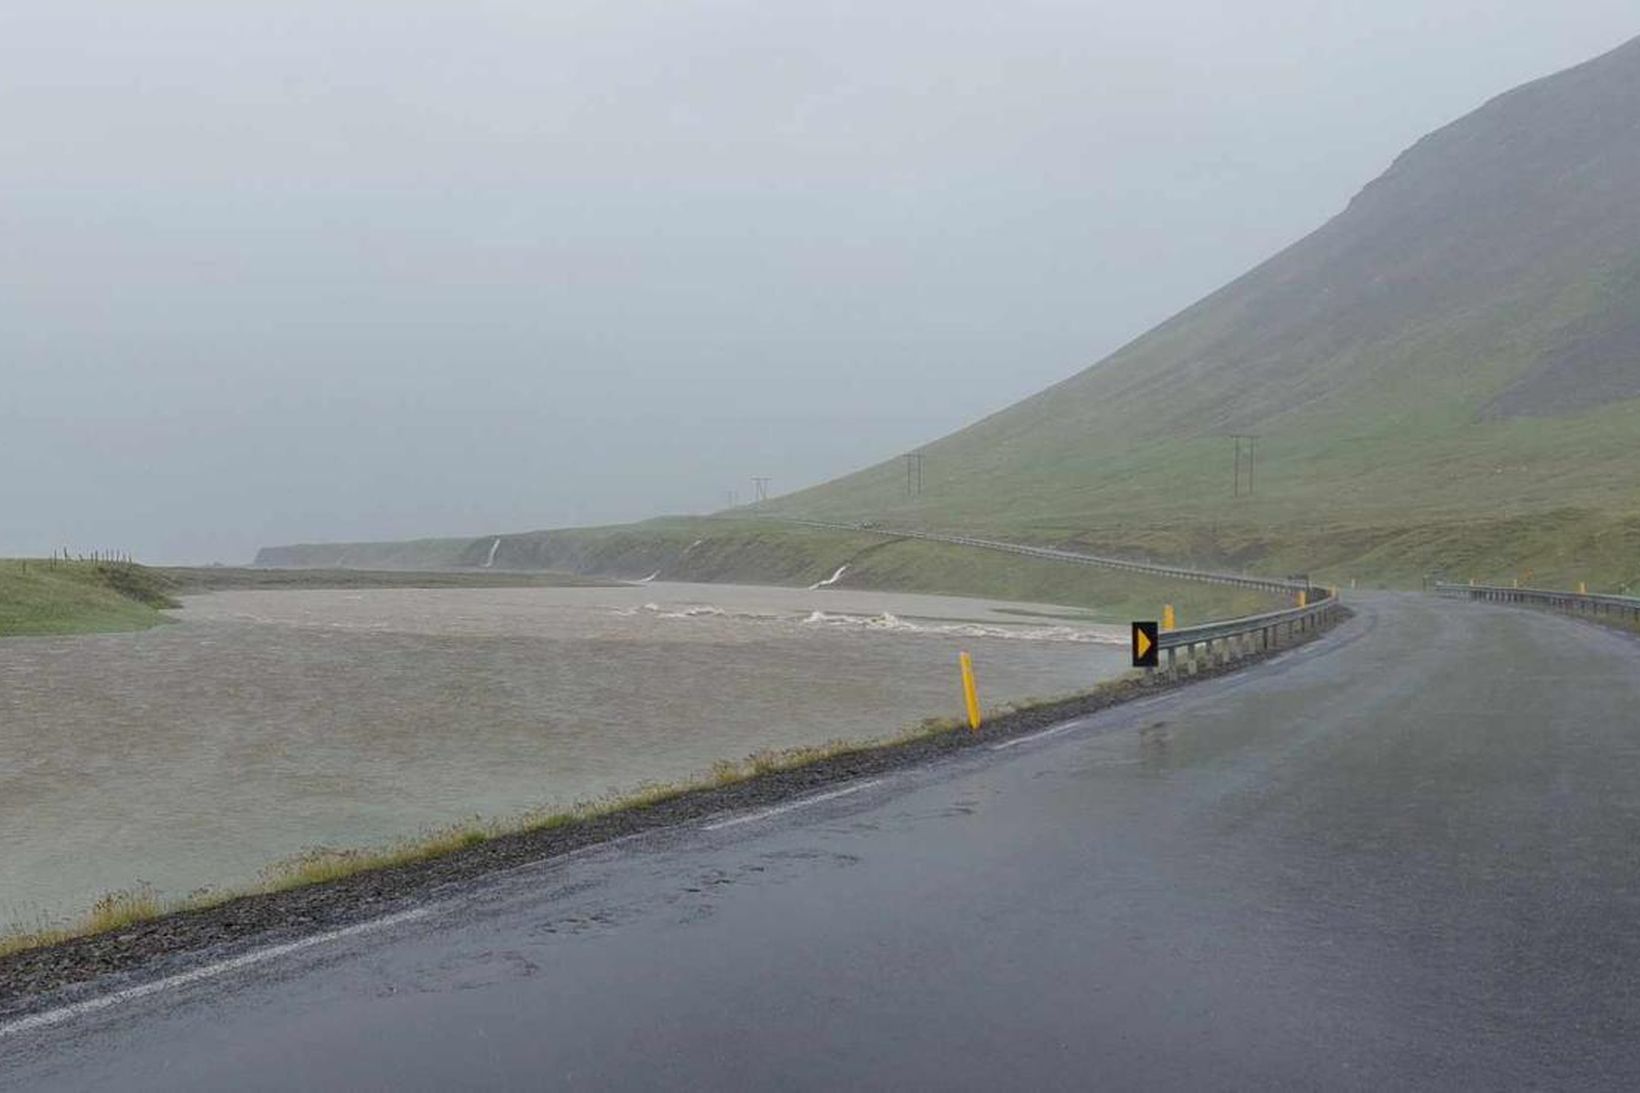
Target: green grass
pixel 40 597
pixel 1441 376
pixel 769 552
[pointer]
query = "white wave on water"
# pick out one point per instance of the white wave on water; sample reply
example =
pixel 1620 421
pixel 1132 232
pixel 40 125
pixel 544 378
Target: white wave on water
pixel 882 623
pixel 888 623
pixel 701 611
pixel 651 577
pixel 698 612
pixel 690 611
pixel 829 581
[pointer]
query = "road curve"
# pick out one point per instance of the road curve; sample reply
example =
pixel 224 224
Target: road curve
pixel 1405 855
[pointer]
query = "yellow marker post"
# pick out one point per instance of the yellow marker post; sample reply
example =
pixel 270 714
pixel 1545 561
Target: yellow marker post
pixel 1582 588
pixel 970 693
pixel 1168 621
pixel 1303 598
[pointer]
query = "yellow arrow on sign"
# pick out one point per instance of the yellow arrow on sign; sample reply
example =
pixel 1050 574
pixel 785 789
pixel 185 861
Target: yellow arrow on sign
pixel 1141 642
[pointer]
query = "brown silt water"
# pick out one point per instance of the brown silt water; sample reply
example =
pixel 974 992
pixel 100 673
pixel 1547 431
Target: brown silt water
pixel 263 724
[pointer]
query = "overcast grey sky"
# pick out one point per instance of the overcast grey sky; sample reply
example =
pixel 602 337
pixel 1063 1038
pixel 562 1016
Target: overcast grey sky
pixel 319 270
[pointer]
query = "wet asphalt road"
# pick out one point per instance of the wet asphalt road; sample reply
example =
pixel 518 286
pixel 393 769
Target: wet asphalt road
pixel 1405 856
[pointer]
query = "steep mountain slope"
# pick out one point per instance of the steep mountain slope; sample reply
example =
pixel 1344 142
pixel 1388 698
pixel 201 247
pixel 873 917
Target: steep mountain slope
pixel 1462 343
pixel 1446 376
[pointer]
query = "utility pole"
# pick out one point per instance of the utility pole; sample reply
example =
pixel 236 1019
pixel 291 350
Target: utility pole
pixel 760 486
pixel 1252 442
pixel 913 474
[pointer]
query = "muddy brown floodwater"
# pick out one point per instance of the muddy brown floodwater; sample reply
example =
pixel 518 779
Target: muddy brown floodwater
pixel 266 723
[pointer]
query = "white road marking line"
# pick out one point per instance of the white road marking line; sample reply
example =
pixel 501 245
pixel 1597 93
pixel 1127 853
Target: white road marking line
pixel 1122 708
pixel 1043 735
pixel 209 971
pixel 805 802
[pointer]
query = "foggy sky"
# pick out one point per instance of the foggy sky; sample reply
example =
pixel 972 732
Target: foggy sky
pixel 298 271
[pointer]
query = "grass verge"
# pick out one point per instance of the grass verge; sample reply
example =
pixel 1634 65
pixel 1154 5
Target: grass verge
pixel 40 596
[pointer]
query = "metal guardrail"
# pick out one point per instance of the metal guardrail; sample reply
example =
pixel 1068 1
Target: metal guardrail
pixel 1280 585
pixel 1217 643
pixel 1601 608
pixel 1190 648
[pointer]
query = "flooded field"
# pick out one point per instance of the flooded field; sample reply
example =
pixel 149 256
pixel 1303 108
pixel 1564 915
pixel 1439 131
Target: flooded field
pixel 266 723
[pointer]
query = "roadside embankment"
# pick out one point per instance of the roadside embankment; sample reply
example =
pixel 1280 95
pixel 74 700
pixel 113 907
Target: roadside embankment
pixel 1557 546
pixel 753 551
pixel 40 596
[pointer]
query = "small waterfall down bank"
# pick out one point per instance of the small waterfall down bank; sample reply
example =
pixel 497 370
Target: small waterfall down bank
pixel 490 561
pixel 831 580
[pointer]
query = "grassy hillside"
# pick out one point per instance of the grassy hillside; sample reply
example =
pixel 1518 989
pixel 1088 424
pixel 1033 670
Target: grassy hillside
pixel 1443 378
pixel 43 597
pixel 761 551
pixel 1452 364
